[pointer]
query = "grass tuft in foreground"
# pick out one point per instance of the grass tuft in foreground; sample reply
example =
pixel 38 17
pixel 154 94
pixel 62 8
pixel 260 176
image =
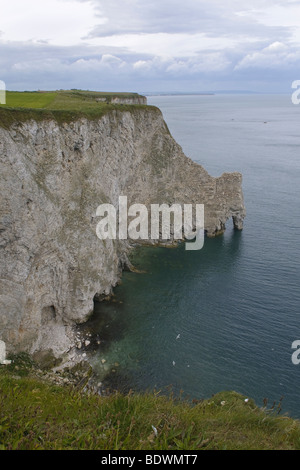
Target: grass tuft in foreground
pixel 36 415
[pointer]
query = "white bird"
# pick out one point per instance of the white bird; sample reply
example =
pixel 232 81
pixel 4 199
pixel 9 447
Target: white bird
pixel 178 336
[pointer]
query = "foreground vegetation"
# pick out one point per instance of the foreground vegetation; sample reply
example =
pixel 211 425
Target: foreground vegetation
pixel 62 106
pixel 36 415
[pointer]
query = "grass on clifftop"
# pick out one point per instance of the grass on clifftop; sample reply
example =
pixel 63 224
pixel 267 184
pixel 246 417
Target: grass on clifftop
pixel 35 415
pixel 63 106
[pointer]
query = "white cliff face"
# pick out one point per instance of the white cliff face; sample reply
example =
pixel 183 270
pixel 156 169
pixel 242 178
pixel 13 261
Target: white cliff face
pixel 53 178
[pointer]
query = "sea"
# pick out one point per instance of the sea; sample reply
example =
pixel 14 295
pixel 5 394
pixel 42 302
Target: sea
pixel 224 318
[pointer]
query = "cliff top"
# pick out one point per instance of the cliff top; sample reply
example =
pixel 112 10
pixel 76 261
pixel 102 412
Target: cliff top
pixel 64 105
pixel 37 414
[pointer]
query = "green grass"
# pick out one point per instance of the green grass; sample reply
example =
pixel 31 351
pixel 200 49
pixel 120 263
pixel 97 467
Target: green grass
pixel 72 99
pixel 37 416
pixel 29 99
pixel 61 106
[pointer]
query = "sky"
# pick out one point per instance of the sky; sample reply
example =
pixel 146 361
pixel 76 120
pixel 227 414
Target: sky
pixel 150 46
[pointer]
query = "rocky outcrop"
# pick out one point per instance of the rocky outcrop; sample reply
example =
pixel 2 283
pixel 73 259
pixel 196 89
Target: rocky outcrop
pixel 53 178
pixel 137 99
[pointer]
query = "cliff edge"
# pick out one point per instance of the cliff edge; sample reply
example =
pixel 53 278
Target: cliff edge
pixel 54 175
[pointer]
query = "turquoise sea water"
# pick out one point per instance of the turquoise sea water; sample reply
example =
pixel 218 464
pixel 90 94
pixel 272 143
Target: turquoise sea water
pixel 223 318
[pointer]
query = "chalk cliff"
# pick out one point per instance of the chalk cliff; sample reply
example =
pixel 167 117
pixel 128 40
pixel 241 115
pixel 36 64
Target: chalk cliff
pixel 53 178
pixel 123 99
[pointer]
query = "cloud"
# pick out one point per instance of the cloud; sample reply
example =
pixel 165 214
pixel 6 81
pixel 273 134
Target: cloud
pixel 60 22
pixel 275 56
pixel 137 44
pixel 214 17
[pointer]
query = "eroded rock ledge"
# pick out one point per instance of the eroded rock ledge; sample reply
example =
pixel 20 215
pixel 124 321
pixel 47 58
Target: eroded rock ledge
pixel 53 178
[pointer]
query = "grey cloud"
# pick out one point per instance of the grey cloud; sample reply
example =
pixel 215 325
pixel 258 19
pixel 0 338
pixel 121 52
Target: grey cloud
pixel 214 18
pixel 275 56
pixel 249 64
pixel 37 66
